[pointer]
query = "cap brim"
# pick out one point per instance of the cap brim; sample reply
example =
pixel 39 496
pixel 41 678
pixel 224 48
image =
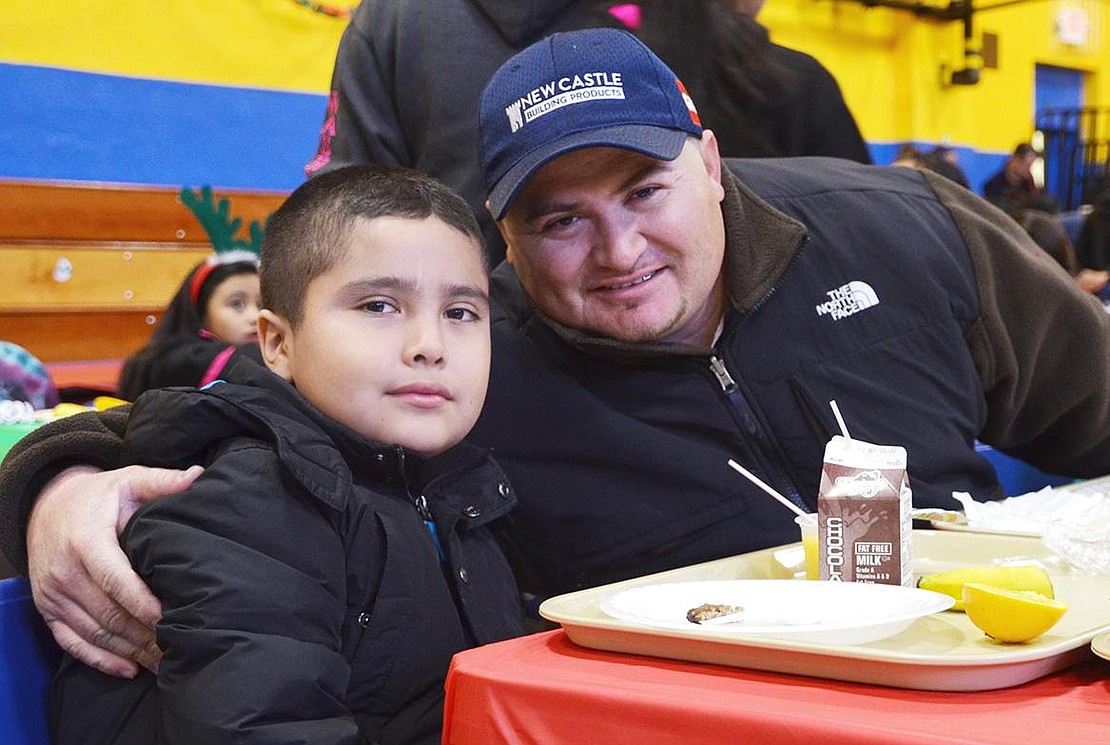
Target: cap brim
pixel 657 142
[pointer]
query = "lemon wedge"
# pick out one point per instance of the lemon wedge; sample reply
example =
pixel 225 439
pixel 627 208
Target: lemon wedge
pixel 1010 615
pixel 65 409
pixel 1027 577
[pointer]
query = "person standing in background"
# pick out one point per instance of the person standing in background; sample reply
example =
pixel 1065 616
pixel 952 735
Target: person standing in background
pixel 408 77
pixel 822 123
pixel 407 80
pixel 763 99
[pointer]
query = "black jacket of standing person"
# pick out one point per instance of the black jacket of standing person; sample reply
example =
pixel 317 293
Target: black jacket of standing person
pixel 408 76
pixel 760 99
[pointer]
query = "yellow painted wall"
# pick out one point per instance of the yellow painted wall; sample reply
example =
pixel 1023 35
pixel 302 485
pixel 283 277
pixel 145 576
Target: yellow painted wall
pixel 888 65
pixel 887 62
pixel 276 44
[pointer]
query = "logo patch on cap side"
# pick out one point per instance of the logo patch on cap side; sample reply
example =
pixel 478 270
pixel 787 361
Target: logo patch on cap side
pixel 689 102
pixel 564 91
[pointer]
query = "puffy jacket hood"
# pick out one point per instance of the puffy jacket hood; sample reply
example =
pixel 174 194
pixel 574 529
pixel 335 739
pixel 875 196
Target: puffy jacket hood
pixel 522 22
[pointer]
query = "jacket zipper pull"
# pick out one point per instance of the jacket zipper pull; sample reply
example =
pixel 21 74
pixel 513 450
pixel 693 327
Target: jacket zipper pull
pixel 421 505
pixel 422 508
pixel 721 373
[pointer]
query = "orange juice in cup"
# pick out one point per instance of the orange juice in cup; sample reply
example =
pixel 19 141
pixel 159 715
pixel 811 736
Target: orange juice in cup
pixel 808 526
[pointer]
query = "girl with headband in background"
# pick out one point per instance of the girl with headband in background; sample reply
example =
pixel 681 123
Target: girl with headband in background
pixel 212 317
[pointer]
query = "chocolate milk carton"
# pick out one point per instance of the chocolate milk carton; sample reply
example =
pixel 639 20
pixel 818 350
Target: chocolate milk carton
pixel 863 514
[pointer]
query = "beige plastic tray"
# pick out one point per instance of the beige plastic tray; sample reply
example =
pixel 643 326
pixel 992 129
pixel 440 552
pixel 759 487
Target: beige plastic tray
pixel 941 652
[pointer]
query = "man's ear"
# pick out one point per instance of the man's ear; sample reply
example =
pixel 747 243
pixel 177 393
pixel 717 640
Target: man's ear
pixel 275 337
pixel 504 236
pixel 711 156
pixel 510 252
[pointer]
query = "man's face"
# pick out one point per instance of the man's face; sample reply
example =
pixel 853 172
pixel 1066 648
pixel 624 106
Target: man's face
pixel 394 339
pixel 621 245
pixel 1023 164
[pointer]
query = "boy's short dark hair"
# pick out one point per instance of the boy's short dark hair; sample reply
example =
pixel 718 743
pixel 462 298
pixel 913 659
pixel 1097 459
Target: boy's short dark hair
pixel 308 234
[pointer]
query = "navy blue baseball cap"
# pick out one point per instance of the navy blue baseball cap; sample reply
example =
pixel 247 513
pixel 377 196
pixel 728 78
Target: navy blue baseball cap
pixel 594 88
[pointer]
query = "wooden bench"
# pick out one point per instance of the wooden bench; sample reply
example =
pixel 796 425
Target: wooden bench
pixel 89 267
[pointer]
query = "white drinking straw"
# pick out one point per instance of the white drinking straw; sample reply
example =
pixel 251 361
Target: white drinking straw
pixel 755 480
pixel 840 420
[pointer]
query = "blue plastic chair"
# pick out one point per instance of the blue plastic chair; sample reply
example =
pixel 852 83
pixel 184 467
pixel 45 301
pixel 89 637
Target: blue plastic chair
pixel 1073 224
pixel 28 659
pixel 1018 477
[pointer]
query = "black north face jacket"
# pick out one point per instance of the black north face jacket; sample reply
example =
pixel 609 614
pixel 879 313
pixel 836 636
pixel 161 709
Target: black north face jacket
pixel 927 314
pixel 304 598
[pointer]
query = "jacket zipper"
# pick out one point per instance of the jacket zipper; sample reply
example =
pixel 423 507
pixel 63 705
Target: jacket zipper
pixel 420 503
pixel 771 463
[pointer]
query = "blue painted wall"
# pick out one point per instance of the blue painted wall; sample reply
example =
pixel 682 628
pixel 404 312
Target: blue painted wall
pixel 61 124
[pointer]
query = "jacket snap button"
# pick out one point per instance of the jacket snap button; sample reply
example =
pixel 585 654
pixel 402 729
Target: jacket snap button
pixel 503 489
pixel 363 619
pixel 380 457
pixel 472 511
pixel 464 575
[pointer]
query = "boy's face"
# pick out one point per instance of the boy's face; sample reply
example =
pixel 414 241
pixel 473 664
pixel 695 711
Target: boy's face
pixel 394 339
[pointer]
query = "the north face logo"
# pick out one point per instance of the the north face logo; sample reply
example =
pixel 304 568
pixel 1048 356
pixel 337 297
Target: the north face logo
pixel 848 300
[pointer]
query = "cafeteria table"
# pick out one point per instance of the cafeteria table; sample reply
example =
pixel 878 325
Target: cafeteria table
pixel 543 688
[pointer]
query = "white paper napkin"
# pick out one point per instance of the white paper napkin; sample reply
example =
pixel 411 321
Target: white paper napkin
pixel 1074 525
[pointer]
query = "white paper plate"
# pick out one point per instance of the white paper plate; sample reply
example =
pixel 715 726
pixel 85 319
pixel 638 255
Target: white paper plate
pixel 819 612
pixel 1100 645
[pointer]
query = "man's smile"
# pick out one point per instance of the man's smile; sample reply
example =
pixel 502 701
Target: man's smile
pixel 639 280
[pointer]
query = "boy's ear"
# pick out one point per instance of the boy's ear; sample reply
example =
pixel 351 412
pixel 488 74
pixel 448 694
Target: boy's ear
pixel 275 337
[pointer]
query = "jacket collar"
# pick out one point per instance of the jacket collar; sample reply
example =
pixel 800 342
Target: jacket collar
pixel 169 427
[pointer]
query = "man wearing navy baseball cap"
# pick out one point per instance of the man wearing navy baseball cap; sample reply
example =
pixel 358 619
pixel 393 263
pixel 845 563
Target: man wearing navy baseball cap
pixel 666 311
pixel 663 311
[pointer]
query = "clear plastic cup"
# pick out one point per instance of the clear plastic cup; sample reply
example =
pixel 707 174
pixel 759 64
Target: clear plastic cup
pixel 808 525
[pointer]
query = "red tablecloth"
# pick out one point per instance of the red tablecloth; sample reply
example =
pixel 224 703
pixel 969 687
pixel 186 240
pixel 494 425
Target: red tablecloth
pixel 545 689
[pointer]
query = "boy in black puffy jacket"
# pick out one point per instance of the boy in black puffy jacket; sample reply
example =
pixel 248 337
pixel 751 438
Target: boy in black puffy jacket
pixel 317 578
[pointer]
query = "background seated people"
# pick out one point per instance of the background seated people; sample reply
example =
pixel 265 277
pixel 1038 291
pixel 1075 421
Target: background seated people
pixel 945 160
pixel 1092 247
pixel 212 317
pixel 1013 190
pixel 1013 186
pixel 941 159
